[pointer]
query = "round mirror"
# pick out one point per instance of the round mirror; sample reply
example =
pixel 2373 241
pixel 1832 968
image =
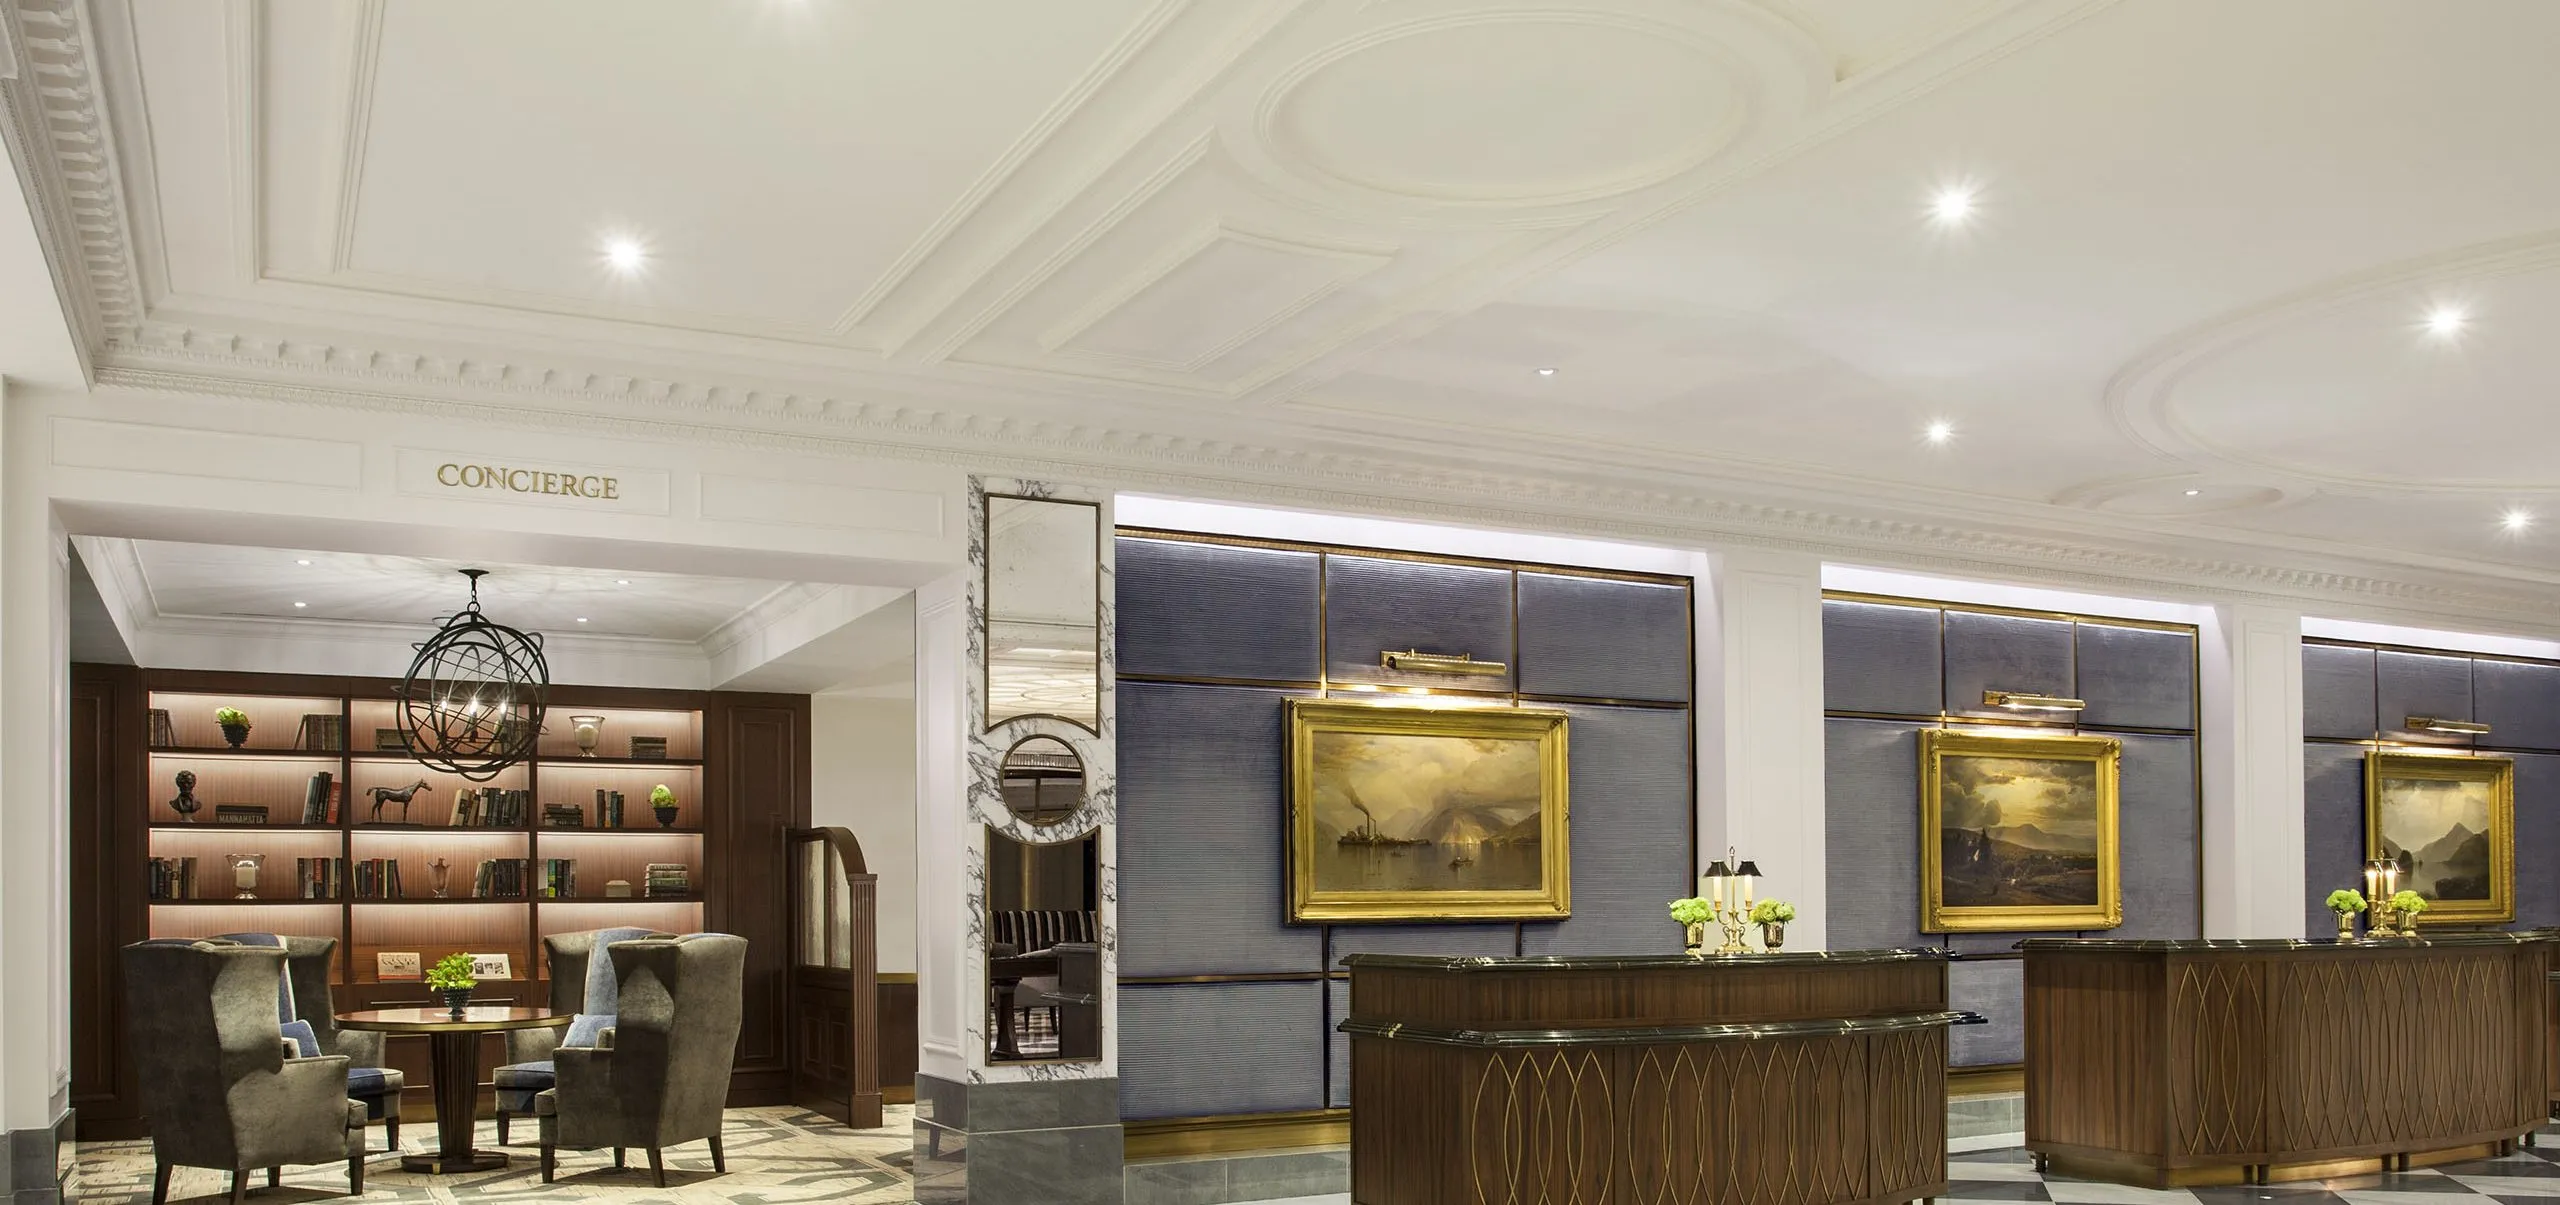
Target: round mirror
pixel 1043 780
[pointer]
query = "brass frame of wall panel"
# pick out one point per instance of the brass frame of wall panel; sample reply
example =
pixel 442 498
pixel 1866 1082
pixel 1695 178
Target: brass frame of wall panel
pixel 1172 1137
pixel 987 612
pixel 1990 1079
pixel 2195 690
pixel 1324 689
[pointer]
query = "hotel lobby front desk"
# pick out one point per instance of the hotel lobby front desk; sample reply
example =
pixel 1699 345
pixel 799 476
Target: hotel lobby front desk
pixel 1786 1079
pixel 2202 1062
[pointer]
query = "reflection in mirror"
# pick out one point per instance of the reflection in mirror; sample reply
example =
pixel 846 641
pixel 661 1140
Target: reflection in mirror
pixel 1044 957
pixel 1043 780
pixel 1043 609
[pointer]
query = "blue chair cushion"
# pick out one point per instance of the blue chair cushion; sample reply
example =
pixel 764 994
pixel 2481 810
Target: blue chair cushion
pixel 536 1076
pixel 585 1028
pixel 305 1042
pixel 372 1081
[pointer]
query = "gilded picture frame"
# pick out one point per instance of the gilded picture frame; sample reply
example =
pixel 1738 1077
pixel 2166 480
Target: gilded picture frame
pixel 1427 813
pixel 2412 805
pixel 2018 833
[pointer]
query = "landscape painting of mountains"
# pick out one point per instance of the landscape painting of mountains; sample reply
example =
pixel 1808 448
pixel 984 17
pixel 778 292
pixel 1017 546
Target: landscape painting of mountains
pixel 1425 812
pixel 2022 830
pixel 2447 823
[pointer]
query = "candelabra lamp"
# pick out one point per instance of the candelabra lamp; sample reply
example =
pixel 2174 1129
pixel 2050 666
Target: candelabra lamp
pixel 1728 887
pixel 2381 881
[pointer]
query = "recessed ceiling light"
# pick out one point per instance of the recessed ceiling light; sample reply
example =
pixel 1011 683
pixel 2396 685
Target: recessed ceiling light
pixel 2193 493
pixel 2445 321
pixel 624 254
pixel 302 604
pixel 1546 372
pixel 302 561
pixel 582 619
pixel 1939 431
pixel 1952 205
pixel 2516 520
pixel 622 581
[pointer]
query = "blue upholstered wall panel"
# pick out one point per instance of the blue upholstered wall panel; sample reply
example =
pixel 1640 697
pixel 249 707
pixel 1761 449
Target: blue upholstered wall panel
pixel 1598 639
pixel 2156 801
pixel 1631 832
pixel 1216 611
pixel 1337 1045
pixel 2337 692
pixel 1881 659
pixel 2407 684
pixel 2332 828
pixel 2005 652
pixel 2537 839
pixel 2137 677
pixel 2520 700
pixel 1461 941
pixel 1997 990
pixel 1374 605
pixel 1212 1048
pixel 1201 820
pixel 1871 823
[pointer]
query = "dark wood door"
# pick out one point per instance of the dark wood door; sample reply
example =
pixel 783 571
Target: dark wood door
pixel 109 770
pixel 759 749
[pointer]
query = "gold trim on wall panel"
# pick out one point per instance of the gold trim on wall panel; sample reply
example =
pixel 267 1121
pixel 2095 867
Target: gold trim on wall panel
pixel 1173 1137
pixel 1401 554
pixel 2113 621
pixel 2370 645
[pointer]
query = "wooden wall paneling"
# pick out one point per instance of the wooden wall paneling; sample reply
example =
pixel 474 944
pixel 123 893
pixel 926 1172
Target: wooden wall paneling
pixel 108 771
pixel 897 1040
pixel 758 746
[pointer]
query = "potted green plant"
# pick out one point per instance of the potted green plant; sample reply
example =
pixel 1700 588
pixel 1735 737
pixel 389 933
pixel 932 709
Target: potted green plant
pixel 2346 902
pixel 1772 917
pixel 663 802
pixel 235 724
pixel 2408 904
pixel 1692 915
pixel 451 978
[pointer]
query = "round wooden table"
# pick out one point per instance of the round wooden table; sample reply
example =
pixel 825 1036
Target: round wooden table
pixel 454 1064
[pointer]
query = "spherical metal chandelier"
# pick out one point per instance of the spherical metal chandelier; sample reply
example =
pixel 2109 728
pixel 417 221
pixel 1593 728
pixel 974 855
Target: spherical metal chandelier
pixel 471 703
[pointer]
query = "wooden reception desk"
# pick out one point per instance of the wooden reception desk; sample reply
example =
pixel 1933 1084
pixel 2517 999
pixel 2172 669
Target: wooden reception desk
pixel 2192 1062
pixel 1811 1079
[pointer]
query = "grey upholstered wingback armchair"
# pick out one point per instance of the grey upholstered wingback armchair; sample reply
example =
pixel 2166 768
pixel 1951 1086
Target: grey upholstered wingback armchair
pixel 310 962
pixel 219 1087
pixel 660 1075
pixel 582 985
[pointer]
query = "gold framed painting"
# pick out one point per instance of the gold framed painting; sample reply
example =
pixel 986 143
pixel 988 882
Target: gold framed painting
pixel 2450 823
pixel 1427 813
pixel 2018 833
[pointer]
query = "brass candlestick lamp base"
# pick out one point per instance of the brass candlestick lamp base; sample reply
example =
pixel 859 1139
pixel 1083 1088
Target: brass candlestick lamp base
pixel 1731 922
pixel 2385 922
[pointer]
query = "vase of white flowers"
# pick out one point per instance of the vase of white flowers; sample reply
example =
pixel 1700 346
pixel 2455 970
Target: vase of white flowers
pixel 1772 917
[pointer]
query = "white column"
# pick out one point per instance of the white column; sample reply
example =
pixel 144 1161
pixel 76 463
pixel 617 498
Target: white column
pixel 35 923
pixel 1760 768
pixel 944 1000
pixel 2252 747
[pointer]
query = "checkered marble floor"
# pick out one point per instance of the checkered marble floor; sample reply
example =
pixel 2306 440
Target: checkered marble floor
pixel 2531 1176
pixel 775 1155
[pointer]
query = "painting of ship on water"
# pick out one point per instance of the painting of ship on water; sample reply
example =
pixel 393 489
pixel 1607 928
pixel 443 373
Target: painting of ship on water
pixel 2023 830
pixel 1405 813
pixel 2448 822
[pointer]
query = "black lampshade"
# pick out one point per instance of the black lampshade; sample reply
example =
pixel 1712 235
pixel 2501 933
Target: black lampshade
pixel 1720 870
pixel 1748 870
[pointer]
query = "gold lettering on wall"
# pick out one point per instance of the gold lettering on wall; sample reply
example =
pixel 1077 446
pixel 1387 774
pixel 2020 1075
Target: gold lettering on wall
pixel 562 483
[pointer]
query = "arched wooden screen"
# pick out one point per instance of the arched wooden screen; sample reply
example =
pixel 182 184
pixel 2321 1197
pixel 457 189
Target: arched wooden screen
pixel 835 976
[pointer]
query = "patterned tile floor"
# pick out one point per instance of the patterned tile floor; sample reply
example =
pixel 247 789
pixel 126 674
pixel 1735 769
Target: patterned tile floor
pixel 775 1155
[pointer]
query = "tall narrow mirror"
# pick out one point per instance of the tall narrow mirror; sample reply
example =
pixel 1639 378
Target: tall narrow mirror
pixel 1044 612
pixel 1044 957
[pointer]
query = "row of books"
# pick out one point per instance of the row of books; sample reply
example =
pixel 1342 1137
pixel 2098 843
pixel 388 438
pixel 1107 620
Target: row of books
pixel 501 879
pixel 490 807
pixel 173 878
pixel 559 878
pixel 320 878
pixel 320 799
pixel 667 879
pixel 377 878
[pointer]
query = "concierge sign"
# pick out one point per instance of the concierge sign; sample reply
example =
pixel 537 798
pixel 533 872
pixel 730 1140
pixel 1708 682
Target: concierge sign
pixel 531 481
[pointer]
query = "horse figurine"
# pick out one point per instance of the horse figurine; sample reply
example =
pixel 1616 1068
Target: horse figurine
pixel 398 795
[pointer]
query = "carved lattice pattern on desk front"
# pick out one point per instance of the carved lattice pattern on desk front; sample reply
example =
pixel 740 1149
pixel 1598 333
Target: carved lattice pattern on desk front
pixel 2394 1051
pixel 2218 1017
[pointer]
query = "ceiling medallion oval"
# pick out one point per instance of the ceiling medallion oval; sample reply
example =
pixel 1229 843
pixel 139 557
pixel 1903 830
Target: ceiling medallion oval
pixel 1507 108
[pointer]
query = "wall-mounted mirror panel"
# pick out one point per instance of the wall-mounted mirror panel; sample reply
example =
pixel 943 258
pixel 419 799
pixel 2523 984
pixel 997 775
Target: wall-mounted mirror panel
pixel 1043 780
pixel 1044 952
pixel 1044 612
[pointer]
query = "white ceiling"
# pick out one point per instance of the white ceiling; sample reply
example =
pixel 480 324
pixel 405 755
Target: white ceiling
pixel 1322 246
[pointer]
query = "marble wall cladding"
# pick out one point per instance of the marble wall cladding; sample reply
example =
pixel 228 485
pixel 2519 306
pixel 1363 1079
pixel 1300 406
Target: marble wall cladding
pixel 1202 837
pixel 1596 638
pixel 1883 660
pixel 1995 988
pixel 2354 695
pixel 1374 605
pixel 1237 1047
pixel 1194 610
pixel 1052 1142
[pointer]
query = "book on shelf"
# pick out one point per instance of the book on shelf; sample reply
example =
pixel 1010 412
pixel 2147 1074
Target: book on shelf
pixel 500 879
pixel 378 879
pixel 559 878
pixel 489 807
pixel 317 796
pixel 664 879
pixel 163 735
pixel 608 808
pixel 563 815
pixel 322 732
pixel 320 878
pixel 173 878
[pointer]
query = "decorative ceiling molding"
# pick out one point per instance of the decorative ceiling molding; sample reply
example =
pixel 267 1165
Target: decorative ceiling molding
pixel 56 133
